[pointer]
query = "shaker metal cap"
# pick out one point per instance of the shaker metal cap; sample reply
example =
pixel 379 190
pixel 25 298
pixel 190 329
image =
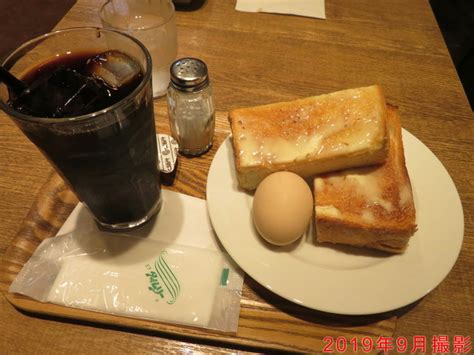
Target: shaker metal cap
pixel 189 74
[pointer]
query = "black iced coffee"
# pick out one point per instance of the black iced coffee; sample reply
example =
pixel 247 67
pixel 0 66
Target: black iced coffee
pixel 91 114
pixel 77 84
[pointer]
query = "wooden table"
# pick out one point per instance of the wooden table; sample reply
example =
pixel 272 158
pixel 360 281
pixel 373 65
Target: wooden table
pixel 262 58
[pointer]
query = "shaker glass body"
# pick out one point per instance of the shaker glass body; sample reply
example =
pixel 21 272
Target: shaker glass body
pixel 192 119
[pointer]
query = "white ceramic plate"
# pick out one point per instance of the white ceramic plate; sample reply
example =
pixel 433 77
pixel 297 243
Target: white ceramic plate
pixel 342 279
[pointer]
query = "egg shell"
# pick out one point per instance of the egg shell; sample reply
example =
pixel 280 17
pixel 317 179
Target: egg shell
pixel 282 208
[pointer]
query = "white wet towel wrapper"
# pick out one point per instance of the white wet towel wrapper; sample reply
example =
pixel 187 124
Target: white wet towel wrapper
pixel 307 8
pixel 136 276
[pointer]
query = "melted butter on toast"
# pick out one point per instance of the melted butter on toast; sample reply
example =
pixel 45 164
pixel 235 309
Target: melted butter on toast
pixel 378 196
pixel 368 185
pixel 325 126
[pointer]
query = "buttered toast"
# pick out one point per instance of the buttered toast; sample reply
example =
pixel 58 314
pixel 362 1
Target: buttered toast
pixel 369 207
pixel 314 135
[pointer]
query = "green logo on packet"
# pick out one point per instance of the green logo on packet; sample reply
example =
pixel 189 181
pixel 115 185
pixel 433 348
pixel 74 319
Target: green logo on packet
pixel 162 280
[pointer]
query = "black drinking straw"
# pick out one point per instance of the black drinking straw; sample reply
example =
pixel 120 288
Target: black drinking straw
pixel 11 81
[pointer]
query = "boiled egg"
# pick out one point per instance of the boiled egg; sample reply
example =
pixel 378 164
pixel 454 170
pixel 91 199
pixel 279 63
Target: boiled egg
pixel 282 208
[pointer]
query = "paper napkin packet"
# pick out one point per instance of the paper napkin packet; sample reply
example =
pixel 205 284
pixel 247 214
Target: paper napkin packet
pixel 173 271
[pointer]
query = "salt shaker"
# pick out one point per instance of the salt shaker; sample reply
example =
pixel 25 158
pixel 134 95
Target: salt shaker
pixel 190 106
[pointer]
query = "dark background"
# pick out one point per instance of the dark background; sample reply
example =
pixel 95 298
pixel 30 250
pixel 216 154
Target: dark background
pixel 456 20
pixel 21 20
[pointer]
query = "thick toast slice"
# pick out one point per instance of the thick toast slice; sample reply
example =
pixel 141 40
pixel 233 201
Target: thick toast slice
pixel 368 207
pixel 309 136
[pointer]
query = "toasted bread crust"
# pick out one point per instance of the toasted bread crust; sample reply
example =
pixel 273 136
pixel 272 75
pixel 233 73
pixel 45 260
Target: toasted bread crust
pixel 370 207
pixel 333 128
pixel 338 232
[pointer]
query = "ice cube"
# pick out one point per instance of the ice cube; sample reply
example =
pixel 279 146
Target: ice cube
pixel 114 68
pixel 62 93
pixel 79 94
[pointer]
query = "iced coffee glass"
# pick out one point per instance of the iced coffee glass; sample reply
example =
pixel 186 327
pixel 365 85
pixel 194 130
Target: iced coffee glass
pixel 154 24
pixel 89 109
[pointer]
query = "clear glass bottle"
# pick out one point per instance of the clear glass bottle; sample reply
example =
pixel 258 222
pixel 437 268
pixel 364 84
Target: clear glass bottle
pixel 190 106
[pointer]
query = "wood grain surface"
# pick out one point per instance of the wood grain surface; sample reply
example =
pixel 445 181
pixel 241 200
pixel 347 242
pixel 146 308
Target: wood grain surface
pixel 262 58
pixel 266 321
